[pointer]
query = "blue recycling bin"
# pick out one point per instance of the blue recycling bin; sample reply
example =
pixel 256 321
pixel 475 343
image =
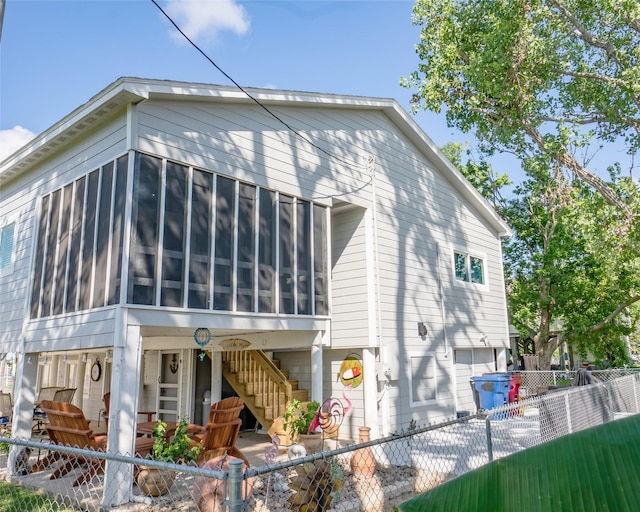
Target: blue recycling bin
pixel 493 390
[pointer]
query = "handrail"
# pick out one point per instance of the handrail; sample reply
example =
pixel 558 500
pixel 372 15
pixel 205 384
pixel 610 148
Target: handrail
pixel 262 376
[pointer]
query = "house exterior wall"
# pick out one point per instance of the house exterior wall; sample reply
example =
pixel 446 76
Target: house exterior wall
pixel 20 200
pixel 396 209
pixel 349 286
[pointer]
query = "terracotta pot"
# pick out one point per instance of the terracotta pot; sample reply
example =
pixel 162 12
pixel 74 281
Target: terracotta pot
pixel 155 482
pixel 311 442
pixel 209 493
pixel 363 462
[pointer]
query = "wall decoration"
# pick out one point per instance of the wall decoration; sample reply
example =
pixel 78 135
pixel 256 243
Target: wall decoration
pixel 96 371
pixel 351 371
pixel 331 414
pixel 174 364
pixel 202 336
pixel 234 344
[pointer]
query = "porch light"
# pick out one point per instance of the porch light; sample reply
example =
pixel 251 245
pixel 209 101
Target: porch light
pixel 108 356
pixel 422 330
pixel 84 357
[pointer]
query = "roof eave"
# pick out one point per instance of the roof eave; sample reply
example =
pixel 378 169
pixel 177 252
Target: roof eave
pixel 104 104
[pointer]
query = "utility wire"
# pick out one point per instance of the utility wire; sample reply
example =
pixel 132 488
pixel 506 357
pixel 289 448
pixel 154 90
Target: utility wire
pixel 296 132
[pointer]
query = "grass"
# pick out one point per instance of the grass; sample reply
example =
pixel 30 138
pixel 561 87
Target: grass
pixel 14 498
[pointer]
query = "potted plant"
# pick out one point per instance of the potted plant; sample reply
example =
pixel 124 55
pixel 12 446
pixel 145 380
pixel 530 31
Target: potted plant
pixel 298 420
pixel 176 449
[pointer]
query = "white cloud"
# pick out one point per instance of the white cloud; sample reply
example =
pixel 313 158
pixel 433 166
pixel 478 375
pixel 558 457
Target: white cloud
pixel 13 139
pixel 203 20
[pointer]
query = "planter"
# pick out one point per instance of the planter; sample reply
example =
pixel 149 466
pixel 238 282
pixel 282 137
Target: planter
pixel 363 462
pixel 155 482
pixel 311 442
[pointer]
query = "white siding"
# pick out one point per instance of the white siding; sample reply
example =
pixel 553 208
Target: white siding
pixel 21 197
pixel 349 325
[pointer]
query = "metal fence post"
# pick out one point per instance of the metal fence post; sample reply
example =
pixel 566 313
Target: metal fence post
pixel 489 440
pixel 568 411
pixel 234 504
pixel 610 397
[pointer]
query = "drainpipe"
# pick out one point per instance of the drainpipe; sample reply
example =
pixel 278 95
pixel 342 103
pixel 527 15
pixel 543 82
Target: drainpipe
pixel 368 363
pixel 316 367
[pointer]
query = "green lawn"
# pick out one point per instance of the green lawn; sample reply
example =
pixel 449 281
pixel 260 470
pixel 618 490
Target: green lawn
pixel 14 498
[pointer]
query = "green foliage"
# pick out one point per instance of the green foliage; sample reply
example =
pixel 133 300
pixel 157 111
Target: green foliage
pixel 479 173
pixel 537 78
pixel 14 498
pixel 298 418
pixel 179 449
pixel 573 263
pixel 5 447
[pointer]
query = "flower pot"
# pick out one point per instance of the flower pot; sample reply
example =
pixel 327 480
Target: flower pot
pixel 154 481
pixel 311 442
pixel 363 462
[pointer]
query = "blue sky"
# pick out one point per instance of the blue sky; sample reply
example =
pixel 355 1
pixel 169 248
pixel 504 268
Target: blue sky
pixel 56 54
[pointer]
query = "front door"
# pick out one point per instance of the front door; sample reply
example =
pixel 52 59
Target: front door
pixel 168 394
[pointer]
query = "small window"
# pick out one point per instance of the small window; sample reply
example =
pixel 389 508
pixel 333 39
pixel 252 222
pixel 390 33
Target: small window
pixel 469 269
pixel 6 246
pixel 423 378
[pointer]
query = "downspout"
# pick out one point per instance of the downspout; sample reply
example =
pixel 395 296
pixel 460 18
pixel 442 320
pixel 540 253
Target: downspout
pixel 384 398
pixel 442 308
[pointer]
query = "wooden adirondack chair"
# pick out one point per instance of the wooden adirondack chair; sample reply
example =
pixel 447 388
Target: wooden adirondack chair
pixel 223 411
pixel 55 394
pixel 220 439
pixel 6 412
pixel 64 395
pixel 226 410
pixel 107 404
pixel 68 426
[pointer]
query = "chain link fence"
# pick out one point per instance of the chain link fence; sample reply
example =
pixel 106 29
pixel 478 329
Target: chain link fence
pixel 534 382
pixel 370 476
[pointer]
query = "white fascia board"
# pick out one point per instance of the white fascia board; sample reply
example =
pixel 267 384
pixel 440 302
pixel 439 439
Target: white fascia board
pixel 114 97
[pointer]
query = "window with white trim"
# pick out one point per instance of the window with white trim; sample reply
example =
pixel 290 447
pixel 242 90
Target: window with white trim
pixel 7 233
pixel 469 268
pixel 424 384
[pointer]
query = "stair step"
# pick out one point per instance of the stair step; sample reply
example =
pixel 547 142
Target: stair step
pixel 294 384
pixel 301 394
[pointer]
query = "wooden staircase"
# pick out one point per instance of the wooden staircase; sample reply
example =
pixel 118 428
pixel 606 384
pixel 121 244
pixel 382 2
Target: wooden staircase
pixel 263 386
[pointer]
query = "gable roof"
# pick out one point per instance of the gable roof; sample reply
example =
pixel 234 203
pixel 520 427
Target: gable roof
pixel 134 90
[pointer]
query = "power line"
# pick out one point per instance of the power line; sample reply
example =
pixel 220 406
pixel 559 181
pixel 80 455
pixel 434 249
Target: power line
pixel 296 132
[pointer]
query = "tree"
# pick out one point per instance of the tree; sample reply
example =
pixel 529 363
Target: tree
pixel 535 77
pixel 567 263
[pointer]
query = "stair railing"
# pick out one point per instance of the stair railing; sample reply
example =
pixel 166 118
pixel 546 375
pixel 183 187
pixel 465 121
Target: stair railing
pixel 261 378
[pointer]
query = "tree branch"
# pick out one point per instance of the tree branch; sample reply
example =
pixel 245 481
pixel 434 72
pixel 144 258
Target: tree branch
pixel 569 162
pixel 585 35
pixel 591 76
pixel 602 324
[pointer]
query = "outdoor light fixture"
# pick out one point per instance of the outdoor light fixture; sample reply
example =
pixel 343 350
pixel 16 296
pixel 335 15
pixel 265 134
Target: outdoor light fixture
pixel 84 357
pixel 422 330
pixel 108 356
pixel 483 338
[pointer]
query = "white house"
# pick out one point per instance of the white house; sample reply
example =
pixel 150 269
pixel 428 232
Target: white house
pixel 165 235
